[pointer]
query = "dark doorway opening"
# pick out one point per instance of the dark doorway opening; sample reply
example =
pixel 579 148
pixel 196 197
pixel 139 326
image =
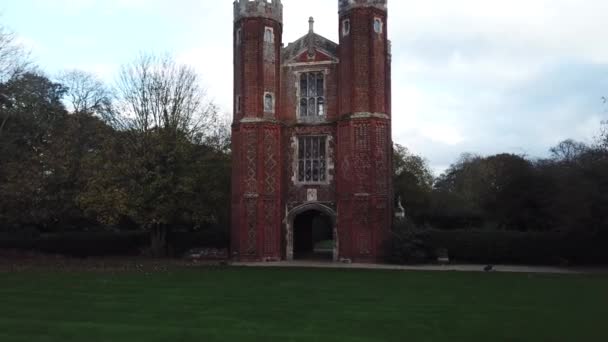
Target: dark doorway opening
pixel 313 236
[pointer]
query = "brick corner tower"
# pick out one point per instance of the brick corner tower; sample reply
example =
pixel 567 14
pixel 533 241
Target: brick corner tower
pixel 256 133
pixel 364 183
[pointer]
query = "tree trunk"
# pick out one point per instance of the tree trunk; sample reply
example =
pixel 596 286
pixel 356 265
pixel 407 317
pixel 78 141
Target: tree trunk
pixel 158 240
pixel 4 120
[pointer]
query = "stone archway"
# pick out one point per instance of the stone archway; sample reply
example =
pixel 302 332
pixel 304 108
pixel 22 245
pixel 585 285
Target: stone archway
pixel 290 224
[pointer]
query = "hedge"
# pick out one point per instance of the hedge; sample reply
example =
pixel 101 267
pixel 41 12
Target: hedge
pixel 99 244
pixel 82 244
pixel 499 247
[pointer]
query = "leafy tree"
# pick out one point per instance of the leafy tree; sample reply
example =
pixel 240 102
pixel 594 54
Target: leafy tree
pixel 456 200
pixel 32 96
pixel 580 191
pixel 496 190
pixel 27 117
pixel 75 137
pixel 157 169
pixel 413 181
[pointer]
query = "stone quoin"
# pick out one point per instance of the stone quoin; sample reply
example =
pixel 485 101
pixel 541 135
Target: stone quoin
pixel 311 135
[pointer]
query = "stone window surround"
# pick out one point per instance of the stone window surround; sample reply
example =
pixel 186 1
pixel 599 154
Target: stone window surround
pixel 268 32
pixel 266 109
pixel 289 225
pixel 238 103
pixel 298 75
pixel 345 27
pixel 239 37
pixel 296 160
pixel 380 28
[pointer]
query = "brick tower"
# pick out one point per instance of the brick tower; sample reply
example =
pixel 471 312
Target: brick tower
pixel 364 186
pixel 312 148
pixel 256 144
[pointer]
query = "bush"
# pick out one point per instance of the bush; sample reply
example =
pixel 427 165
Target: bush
pixel 182 242
pixel 404 246
pixel 100 244
pixel 81 244
pixel 501 247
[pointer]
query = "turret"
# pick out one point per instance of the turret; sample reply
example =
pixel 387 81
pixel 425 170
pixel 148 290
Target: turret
pixel 258 30
pixel 270 9
pixel 364 57
pixel 347 5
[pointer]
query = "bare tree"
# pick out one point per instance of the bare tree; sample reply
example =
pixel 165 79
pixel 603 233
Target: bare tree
pixel 604 135
pixel 603 138
pixel 568 150
pixel 85 92
pixel 155 92
pixel 14 59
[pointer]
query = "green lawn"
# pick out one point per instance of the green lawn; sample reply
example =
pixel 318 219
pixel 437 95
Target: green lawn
pixel 240 304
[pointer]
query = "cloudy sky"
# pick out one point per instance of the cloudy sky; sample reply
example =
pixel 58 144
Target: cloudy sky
pixel 468 76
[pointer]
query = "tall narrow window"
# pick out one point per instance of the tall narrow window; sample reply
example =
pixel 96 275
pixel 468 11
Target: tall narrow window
pixel 268 103
pixel 238 37
pixel 345 27
pixel 312 95
pixel 312 159
pixel 269 35
pixel 378 25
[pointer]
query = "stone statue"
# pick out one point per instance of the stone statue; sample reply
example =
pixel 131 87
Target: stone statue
pixel 400 212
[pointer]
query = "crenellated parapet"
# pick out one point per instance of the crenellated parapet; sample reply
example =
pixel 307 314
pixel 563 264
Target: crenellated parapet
pixel 270 9
pixel 347 5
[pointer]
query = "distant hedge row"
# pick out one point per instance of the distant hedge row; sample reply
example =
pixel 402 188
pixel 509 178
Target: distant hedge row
pixel 499 247
pixel 110 243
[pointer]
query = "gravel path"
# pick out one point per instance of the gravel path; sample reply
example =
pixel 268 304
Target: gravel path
pixel 444 268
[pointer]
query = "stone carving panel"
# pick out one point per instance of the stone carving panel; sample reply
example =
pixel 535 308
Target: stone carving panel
pixel 362 221
pixel 381 159
pixel 362 162
pixel 251 139
pixel 251 217
pixel 270 234
pixel 345 146
pixel 271 160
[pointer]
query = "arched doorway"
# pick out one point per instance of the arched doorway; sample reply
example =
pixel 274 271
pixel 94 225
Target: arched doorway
pixel 311 233
pixel 313 236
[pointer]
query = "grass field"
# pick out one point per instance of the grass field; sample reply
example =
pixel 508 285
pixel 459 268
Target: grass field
pixel 240 304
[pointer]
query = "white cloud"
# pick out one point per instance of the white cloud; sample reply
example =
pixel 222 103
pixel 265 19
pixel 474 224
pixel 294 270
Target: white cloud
pixel 469 75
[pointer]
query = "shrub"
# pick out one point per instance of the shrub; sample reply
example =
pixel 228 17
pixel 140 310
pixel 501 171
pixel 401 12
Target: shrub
pixel 405 247
pixel 213 237
pixel 100 244
pixel 501 247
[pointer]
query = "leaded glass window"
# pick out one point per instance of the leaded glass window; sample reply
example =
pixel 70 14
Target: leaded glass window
pixel 312 94
pixel 312 159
